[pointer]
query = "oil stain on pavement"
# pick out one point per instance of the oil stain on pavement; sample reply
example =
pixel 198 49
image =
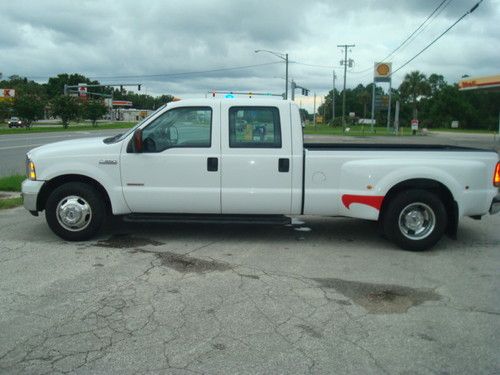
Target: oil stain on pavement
pixel 380 298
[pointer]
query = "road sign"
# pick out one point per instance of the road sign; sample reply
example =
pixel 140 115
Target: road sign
pixel 382 72
pixel 82 90
pixel 414 124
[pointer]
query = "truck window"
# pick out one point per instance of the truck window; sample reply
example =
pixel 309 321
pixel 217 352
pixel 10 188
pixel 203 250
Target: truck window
pixel 179 127
pixel 254 127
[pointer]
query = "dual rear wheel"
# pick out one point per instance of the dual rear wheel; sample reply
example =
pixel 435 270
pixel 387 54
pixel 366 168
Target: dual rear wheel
pixel 415 219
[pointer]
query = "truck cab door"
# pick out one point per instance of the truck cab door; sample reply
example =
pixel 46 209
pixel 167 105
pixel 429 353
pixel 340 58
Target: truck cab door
pixel 178 170
pixel 256 159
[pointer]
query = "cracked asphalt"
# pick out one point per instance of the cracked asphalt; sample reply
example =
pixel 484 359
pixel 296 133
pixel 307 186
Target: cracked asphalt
pixel 323 296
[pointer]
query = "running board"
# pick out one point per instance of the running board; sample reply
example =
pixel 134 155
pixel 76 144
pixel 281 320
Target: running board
pixel 209 218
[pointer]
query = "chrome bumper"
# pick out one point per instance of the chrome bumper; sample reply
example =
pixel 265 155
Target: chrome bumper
pixel 495 205
pixel 30 190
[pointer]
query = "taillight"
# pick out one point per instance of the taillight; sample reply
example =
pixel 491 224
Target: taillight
pixel 496 175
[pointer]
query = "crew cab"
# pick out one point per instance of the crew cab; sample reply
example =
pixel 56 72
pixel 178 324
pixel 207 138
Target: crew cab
pixel 244 160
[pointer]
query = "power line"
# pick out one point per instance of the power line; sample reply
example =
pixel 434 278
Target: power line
pixel 413 34
pixel 416 30
pixel 439 37
pixel 175 74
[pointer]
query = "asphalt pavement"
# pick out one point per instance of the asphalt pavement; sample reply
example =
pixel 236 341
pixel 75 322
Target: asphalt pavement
pixel 323 296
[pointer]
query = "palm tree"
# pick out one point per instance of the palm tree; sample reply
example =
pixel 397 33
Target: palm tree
pixel 414 85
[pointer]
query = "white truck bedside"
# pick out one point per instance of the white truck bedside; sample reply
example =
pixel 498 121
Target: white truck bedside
pixel 213 160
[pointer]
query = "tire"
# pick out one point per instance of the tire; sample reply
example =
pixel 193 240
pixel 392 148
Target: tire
pixel 415 220
pixel 75 211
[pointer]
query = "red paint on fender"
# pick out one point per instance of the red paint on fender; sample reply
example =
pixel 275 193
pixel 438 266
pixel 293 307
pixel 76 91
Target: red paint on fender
pixel 374 201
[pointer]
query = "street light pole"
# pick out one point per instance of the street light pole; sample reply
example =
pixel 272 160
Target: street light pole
pixel 286 76
pixel 284 57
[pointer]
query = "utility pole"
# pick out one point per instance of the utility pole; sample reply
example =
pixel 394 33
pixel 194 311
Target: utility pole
pixel 396 118
pixel 333 97
pixel 314 113
pixel 345 62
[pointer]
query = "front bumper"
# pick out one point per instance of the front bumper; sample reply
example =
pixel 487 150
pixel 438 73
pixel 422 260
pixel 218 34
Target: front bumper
pixel 30 190
pixel 495 205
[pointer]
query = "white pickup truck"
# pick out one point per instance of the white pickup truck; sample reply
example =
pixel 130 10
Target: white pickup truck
pixel 244 161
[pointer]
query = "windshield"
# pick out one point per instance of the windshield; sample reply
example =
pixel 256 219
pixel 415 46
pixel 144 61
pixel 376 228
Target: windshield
pixel 119 137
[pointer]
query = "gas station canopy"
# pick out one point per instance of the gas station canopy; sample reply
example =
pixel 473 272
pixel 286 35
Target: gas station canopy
pixel 491 83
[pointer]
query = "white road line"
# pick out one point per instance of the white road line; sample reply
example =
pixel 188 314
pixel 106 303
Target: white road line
pixel 23 146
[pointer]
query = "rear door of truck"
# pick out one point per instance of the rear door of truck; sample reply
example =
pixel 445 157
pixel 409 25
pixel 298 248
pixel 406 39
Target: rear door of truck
pixel 256 157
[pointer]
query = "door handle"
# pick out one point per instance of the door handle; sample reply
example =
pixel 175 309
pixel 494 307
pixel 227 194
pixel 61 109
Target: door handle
pixel 212 164
pixel 284 165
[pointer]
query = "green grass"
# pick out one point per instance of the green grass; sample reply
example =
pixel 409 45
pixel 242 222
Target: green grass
pixel 71 127
pixel 356 130
pixel 11 183
pixel 470 131
pixel 10 203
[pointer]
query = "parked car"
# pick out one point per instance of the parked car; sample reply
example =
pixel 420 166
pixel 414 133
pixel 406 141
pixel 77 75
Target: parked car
pixel 16 122
pixel 171 168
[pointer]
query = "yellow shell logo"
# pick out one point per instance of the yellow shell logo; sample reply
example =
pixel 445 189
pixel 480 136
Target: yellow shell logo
pixel 383 69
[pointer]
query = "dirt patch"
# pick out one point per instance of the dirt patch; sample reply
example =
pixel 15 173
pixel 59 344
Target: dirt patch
pixel 126 241
pixel 380 298
pixel 186 264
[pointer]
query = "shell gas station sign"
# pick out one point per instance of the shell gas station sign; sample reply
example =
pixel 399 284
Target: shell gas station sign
pixel 7 94
pixel 382 72
pixel 480 83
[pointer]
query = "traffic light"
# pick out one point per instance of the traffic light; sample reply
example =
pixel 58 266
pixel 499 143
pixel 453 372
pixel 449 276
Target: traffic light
pixel 139 87
pixel 305 92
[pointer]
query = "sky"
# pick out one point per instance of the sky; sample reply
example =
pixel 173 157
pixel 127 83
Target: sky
pixel 156 42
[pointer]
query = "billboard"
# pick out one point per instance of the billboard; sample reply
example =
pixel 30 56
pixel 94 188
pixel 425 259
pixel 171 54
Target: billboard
pixel 382 72
pixel 7 94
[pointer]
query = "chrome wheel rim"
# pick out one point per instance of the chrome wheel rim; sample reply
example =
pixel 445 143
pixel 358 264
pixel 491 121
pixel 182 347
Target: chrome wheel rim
pixel 417 221
pixel 74 213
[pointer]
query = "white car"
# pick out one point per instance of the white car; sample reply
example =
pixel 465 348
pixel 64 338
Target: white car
pixel 244 161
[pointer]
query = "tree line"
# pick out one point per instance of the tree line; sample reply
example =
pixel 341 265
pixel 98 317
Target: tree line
pixel 430 99
pixel 34 101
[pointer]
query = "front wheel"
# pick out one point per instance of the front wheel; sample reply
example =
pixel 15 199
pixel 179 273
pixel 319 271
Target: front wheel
pixel 415 220
pixel 75 211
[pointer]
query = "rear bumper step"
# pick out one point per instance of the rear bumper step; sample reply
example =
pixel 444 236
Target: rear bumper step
pixel 209 218
pixel 495 205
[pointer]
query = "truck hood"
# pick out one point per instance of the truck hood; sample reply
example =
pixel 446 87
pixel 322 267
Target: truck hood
pixel 73 148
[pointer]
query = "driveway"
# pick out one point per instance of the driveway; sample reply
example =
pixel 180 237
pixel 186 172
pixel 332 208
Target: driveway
pixel 321 296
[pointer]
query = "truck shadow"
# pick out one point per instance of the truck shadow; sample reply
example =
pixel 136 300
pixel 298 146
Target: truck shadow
pixel 309 231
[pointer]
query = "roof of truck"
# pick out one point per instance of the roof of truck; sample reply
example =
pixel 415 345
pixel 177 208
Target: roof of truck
pixel 233 101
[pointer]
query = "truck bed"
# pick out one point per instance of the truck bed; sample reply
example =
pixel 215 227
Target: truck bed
pixel 388 147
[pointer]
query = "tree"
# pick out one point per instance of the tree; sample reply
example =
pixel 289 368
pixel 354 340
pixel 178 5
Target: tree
pixel 94 110
pixel 29 107
pixel 66 107
pixel 5 109
pixel 414 86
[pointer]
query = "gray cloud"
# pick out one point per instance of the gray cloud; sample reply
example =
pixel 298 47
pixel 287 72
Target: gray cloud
pixel 108 38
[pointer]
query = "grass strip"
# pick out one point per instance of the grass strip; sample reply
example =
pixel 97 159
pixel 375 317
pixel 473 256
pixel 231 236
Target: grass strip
pixel 10 203
pixel 11 183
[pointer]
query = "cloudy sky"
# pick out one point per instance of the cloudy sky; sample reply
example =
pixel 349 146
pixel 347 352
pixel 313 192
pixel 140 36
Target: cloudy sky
pixel 150 41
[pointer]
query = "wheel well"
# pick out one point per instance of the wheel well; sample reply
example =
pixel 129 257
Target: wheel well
pixel 50 185
pixel 433 186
